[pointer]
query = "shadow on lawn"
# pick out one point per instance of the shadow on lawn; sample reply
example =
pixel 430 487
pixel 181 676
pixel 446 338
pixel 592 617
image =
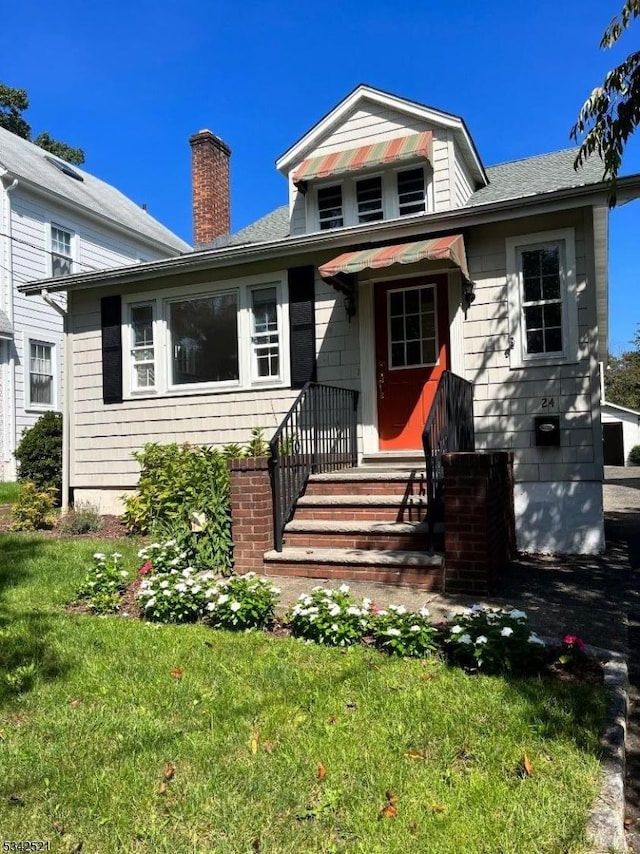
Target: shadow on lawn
pixel 27 650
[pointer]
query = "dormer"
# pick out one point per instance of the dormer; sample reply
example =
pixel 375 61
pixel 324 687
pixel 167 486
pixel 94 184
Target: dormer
pixel 378 157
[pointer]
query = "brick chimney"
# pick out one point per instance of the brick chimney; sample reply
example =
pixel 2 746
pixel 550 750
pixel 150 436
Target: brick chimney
pixel 210 183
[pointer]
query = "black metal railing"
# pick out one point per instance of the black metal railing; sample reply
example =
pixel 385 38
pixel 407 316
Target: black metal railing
pixel 449 427
pixel 318 434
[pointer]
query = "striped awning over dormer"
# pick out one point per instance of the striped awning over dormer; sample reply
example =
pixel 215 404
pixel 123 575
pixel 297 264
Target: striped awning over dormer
pixel 450 248
pixel 414 146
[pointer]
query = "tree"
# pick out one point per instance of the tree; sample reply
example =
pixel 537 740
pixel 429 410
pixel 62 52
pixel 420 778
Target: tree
pixel 622 377
pixel 14 102
pixel 612 112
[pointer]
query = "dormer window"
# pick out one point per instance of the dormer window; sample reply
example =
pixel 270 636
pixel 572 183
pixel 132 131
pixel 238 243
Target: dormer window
pixel 411 192
pixel 369 199
pixel 330 207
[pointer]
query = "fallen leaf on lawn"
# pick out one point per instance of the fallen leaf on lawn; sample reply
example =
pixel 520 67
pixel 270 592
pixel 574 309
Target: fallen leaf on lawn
pixel 177 673
pixel 416 754
pixel 322 771
pixel 388 811
pixel 526 768
pixel 439 808
pixel 169 771
pixel 255 741
pixel 75 703
pixel 162 789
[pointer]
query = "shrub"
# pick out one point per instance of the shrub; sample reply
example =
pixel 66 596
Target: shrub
pixel 183 494
pixel 83 518
pixel 174 595
pixel 241 602
pixel 404 633
pixel 39 454
pixel 634 456
pixel 330 617
pixel 493 640
pixel 34 508
pixel 104 583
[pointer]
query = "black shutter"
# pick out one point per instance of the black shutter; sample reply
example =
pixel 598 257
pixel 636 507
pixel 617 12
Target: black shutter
pixel 302 326
pixel 111 320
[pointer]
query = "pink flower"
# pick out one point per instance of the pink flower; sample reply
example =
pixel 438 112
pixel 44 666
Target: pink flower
pixel 375 609
pixel 573 640
pixel 146 568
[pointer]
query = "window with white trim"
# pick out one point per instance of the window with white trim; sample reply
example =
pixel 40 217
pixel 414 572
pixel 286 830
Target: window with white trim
pixel 330 207
pixel 41 375
pixel 369 199
pixel 541 275
pixel 230 337
pixel 143 361
pixel 265 336
pixel 61 251
pixel 412 195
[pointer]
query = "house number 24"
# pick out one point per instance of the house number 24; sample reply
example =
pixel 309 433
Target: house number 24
pixel 548 403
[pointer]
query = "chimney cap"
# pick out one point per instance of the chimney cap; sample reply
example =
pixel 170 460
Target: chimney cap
pixel 205 135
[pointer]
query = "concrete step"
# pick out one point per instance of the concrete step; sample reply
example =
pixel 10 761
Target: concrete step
pixel 375 508
pixel 366 482
pixel 406 460
pixel 357 534
pixel 415 568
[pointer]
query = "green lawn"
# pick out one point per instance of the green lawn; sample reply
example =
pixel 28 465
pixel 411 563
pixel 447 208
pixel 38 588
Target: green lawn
pixel 8 492
pixel 110 706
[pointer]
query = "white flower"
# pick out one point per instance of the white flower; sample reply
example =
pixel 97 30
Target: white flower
pixel 100 556
pixel 415 628
pixel 482 639
pixel 167 592
pixel 211 606
pixel 312 617
pixel 394 632
pixel 276 591
pixel 533 638
pixel 196 588
pixel 355 612
pixel 235 606
pixel 181 588
pixel 517 615
pixel 164 584
pixel 344 588
pixel 506 632
pixel 334 627
pixel 455 630
pixel 123 573
pixel 424 612
pixel 464 638
pixel 475 609
pixel 150 602
pixel 366 603
pixel 398 609
pixel 334 610
pixel 222 599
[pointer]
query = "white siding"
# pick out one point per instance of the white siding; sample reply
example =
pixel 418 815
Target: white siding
pixel 463 187
pixel 506 400
pixel 94 247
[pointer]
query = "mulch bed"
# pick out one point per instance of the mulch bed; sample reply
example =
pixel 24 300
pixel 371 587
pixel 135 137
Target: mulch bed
pixel 112 529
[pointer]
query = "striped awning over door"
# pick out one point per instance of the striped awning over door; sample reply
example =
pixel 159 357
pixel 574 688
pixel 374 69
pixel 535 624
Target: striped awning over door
pixel 450 248
pixel 416 145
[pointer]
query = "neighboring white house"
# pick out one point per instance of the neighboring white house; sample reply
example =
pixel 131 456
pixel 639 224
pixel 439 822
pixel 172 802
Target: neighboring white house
pixel 397 255
pixel 620 432
pixel 55 220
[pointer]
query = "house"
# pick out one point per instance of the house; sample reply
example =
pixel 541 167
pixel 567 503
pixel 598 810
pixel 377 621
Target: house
pixel 620 432
pixel 399 266
pixel 55 220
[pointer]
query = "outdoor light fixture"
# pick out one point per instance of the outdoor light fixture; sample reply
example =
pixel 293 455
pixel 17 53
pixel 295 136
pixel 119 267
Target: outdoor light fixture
pixel 468 295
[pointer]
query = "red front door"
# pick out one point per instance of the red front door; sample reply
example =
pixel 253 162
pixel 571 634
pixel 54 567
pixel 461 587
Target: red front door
pixel 412 350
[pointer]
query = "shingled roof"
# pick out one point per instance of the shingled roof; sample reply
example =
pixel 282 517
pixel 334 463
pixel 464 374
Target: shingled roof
pixel 25 160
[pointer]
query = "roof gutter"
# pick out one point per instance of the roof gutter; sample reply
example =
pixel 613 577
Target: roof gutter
pixel 435 223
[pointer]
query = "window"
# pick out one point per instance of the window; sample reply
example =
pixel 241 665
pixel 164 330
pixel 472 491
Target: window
pixel 411 192
pixel 204 339
pixel 142 349
pixel 330 207
pixel 41 374
pixel 543 309
pixel 61 256
pixel 265 339
pixel 412 327
pixel 541 301
pixel 369 199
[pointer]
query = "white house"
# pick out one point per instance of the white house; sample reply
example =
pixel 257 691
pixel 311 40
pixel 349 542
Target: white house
pixel 397 257
pixel 620 432
pixel 55 220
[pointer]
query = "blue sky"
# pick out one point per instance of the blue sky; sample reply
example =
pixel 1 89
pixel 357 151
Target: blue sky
pixel 130 82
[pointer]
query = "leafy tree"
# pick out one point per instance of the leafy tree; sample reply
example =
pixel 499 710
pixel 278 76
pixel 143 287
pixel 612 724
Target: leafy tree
pixel 612 112
pixel 622 377
pixel 14 102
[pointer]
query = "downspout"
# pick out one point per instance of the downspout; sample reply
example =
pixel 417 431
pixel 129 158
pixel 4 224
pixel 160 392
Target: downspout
pixel 9 403
pixel 66 397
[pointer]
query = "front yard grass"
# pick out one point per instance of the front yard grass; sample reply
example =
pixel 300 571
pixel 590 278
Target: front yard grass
pixel 127 736
pixel 8 492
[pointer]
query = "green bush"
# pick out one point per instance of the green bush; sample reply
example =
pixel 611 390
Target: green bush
pixel 634 456
pixel 34 508
pixel 183 495
pixel 39 454
pixel 83 518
